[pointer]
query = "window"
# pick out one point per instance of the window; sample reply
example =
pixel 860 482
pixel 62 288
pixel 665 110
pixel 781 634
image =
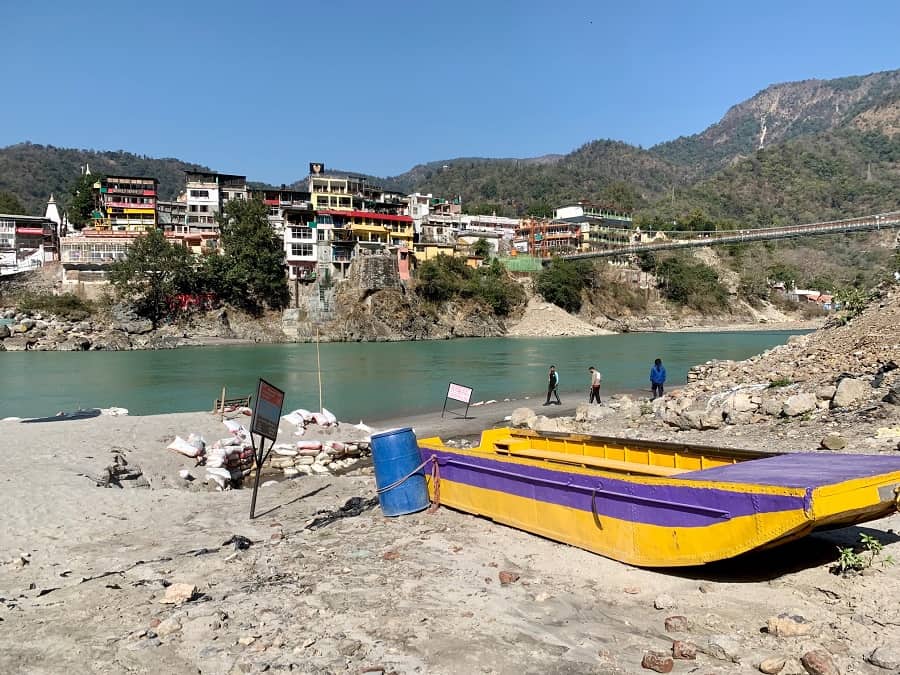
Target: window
pixel 321 234
pixel 200 193
pixel 301 249
pixel 301 233
pixel 225 196
pixel 273 210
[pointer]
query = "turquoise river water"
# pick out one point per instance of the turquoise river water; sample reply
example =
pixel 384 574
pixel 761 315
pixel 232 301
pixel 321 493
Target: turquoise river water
pixel 368 381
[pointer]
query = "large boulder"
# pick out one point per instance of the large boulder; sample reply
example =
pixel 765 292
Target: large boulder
pixel 893 395
pixel 739 402
pixel 74 344
pixel 799 404
pixel 4 331
pixel 850 390
pixel 772 406
pixel 138 327
pixel 520 417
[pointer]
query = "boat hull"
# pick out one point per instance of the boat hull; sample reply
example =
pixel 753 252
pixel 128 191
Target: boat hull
pixel 655 521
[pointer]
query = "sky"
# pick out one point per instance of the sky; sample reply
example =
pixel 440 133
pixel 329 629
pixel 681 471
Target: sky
pixel 263 88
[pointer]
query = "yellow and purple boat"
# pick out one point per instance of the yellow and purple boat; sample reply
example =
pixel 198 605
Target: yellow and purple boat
pixel 658 504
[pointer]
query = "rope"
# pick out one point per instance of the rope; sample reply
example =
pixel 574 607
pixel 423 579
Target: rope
pixel 436 482
pixel 435 479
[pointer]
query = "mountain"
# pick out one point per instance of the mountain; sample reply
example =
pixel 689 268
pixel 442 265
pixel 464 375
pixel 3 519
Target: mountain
pixel 783 112
pixel 32 172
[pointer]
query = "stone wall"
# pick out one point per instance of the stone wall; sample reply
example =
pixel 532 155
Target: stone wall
pixel 376 272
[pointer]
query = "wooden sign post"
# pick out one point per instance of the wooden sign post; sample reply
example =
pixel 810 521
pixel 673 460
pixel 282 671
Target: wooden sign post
pixel 458 392
pixel 266 417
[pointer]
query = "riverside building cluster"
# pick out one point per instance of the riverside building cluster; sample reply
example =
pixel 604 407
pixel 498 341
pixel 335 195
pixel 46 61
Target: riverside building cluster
pixel 324 227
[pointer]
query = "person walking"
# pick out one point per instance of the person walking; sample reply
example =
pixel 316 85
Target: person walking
pixel 596 377
pixel 657 379
pixel 553 386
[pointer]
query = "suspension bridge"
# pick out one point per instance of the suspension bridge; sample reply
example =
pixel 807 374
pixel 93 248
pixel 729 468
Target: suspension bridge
pixel 675 239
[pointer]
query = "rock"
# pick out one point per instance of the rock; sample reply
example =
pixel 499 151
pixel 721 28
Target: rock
pixel 24 326
pixel 784 625
pixel 202 629
pixel 592 413
pixel 826 392
pixel 684 650
pixel 178 593
pixel 138 327
pixel 167 627
pixel 520 417
pixel 819 662
pixel 4 331
pixel 676 624
pixel 893 395
pixel 721 647
pixel 772 665
pixel 849 390
pixel 772 406
pixel 507 577
pixel 664 601
pixel 348 647
pixel 74 344
pixel 885 657
pixel 661 663
pixel 18 344
pixel 739 402
pixel 798 404
pixel 833 442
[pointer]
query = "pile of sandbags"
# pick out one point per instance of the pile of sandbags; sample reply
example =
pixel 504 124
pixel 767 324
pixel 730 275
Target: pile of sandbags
pixel 305 458
pixel 302 419
pixel 228 461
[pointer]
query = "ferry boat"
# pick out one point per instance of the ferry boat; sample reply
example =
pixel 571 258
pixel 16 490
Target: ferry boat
pixel 656 504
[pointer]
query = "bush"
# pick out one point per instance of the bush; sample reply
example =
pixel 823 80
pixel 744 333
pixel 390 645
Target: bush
pixel 692 284
pixel 448 278
pixel 562 281
pixel 66 306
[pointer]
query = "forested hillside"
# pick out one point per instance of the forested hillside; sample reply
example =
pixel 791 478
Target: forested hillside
pixel 32 172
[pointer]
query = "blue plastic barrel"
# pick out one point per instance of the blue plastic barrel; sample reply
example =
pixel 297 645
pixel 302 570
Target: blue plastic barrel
pixel 395 454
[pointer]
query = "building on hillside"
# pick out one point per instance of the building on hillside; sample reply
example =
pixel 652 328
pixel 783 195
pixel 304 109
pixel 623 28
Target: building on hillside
pixel 500 225
pixel 467 239
pixel 602 227
pixel 545 238
pixel 124 204
pixel 172 215
pixel 277 200
pixel 301 244
pixel 207 194
pixel 27 242
pixel 418 209
pixel 429 250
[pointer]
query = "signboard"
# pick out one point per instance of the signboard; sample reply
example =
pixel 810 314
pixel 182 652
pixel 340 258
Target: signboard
pixel 267 411
pixel 458 392
pixel 316 168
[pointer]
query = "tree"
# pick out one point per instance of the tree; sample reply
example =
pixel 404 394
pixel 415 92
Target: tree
pixel 251 267
pixel 9 203
pixel 562 281
pixel 151 273
pixel 81 202
pixel 482 248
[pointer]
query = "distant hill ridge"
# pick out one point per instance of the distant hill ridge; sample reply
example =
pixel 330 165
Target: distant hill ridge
pixel 829 148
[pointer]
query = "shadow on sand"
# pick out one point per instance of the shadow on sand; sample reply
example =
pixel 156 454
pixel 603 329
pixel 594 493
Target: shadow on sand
pixel 820 548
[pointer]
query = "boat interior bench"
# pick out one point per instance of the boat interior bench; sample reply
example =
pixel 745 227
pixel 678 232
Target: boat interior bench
pixel 521 448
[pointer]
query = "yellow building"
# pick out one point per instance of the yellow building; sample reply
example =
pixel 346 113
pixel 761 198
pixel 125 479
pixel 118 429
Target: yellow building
pixel 125 204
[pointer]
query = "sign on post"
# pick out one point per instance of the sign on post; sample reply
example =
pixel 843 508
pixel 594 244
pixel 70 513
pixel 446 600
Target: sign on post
pixel 458 392
pixel 266 416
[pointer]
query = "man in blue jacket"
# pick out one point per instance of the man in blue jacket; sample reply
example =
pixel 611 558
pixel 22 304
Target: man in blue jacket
pixel 657 378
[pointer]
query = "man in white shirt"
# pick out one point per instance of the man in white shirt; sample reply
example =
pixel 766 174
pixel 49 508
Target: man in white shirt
pixel 596 377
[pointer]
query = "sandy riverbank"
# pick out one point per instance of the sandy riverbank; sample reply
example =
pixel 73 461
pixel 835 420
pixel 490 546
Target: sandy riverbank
pixel 85 568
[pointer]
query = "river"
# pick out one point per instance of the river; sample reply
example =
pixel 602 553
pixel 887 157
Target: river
pixel 368 381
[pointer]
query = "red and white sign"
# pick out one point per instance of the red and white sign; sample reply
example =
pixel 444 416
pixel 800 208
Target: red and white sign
pixel 457 392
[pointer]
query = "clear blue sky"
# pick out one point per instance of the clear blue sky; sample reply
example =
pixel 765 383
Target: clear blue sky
pixel 263 88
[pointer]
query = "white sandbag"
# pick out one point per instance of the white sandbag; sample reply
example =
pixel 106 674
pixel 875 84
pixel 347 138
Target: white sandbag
pixel 301 461
pixel 309 445
pixel 337 446
pixel 300 431
pixel 320 419
pixel 215 462
pixel 290 472
pixel 329 416
pixel 293 418
pixel 234 426
pixel 308 452
pixel 182 446
pixel 197 441
pixel 305 414
pixel 222 473
pixel 363 427
pixel 286 452
pixel 218 480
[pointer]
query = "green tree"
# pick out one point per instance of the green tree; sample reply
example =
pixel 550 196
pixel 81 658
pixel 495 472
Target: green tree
pixel 9 203
pixel 152 271
pixel 692 284
pixel 482 248
pixel 251 269
pixel 442 278
pixel 562 281
pixel 540 208
pixel 81 201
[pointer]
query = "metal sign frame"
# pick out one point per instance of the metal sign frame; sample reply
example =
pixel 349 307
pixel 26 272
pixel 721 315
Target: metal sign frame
pixel 265 421
pixel 455 392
